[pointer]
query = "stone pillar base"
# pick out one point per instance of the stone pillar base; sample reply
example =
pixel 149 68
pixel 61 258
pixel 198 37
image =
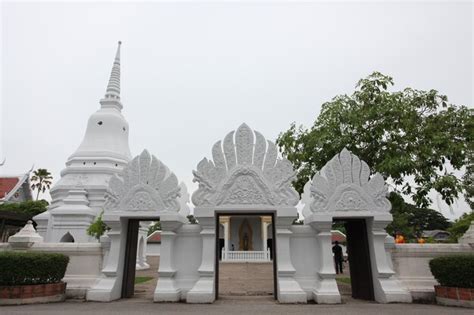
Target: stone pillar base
pixel 290 292
pixel 104 291
pixel 202 292
pixel 326 291
pixel 391 291
pixel 167 296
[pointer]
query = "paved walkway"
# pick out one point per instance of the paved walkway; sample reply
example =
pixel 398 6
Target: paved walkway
pixel 236 305
pixel 145 290
pixel 245 279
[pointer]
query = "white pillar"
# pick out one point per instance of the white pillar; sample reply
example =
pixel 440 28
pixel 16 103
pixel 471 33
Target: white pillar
pixel 166 289
pixel 226 240
pixel 325 290
pixel 264 235
pixel 289 291
pixel 203 289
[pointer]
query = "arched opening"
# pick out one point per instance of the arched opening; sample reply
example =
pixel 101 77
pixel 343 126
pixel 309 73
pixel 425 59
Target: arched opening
pixel 67 238
pixel 140 272
pixel 352 260
pixel 247 267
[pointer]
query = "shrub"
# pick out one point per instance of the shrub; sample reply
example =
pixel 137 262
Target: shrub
pixel 454 271
pixel 98 227
pixel 30 207
pixel 19 268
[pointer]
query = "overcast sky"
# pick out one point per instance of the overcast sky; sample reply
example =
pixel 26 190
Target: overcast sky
pixel 191 72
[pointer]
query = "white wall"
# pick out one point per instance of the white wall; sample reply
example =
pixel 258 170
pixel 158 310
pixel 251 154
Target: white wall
pixel 153 249
pixel 304 256
pixel 187 256
pixel 411 264
pixel 84 268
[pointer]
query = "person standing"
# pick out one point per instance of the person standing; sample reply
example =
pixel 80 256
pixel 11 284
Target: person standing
pixel 338 257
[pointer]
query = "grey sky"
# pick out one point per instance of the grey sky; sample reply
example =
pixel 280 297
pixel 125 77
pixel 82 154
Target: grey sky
pixel 191 72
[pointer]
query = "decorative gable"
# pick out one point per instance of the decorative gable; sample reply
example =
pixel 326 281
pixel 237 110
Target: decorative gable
pixel 245 170
pixel 145 184
pixel 344 184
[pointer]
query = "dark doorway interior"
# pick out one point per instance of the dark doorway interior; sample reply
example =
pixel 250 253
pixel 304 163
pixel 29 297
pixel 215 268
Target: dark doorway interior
pixel 220 244
pixel 358 254
pixel 128 284
pixel 140 283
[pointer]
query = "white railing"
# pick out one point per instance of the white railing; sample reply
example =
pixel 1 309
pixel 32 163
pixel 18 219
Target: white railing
pixel 246 256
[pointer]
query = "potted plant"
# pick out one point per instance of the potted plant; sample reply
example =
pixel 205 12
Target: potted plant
pixel 455 275
pixel 29 277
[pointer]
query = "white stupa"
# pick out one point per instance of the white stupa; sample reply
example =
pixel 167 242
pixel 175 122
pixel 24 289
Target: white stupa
pixel 78 197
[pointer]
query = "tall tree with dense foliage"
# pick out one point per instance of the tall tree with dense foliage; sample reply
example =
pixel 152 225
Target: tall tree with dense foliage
pixel 460 226
pixel 411 221
pixel 414 138
pixel 41 180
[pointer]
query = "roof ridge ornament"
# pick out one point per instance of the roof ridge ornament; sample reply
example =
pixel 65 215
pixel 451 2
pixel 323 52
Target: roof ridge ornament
pixel 112 94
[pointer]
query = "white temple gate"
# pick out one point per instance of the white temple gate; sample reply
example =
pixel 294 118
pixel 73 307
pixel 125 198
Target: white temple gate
pixel 245 176
pixel 145 190
pixel 343 189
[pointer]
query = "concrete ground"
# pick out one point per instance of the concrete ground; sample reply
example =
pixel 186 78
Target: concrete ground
pixel 235 305
pixel 245 279
pixel 145 290
pixel 245 289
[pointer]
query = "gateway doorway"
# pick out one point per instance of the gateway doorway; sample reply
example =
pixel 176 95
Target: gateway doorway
pixel 357 281
pixel 244 262
pixel 135 282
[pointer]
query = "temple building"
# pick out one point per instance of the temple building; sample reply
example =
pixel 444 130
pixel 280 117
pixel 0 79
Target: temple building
pixel 78 197
pixel 245 238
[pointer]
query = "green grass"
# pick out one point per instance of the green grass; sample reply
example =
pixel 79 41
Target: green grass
pixel 346 280
pixel 142 279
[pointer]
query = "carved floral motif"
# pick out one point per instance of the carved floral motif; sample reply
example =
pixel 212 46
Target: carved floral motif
pixel 145 184
pixel 245 170
pixel 343 184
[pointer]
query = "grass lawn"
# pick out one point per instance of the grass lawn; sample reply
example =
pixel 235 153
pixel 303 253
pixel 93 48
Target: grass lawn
pixel 346 280
pixel 142 279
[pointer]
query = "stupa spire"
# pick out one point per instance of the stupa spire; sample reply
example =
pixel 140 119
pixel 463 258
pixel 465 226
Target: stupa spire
pixel 112 94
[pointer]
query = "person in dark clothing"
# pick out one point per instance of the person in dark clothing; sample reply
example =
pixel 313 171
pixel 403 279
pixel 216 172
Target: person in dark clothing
pixel 338 257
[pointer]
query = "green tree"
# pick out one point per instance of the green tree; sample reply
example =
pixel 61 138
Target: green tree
pixel 98 227
pixel 460 226
pixel 41 180
pixel 154 227
pixel 413 138
pixel 30 207
pixel 411 221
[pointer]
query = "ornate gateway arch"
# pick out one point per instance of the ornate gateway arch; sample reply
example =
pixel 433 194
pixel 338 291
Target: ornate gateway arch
pixel 244 171
pixel 145 190
pixel 245 175
pixel 344 190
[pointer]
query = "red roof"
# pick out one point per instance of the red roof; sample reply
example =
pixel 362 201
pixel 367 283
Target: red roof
pixel 7 184
pixel 154 237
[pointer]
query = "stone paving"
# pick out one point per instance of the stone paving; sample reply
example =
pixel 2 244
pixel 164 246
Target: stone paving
pixel 250 294
pixel 228 306
pixel 245 279
pixel 145 290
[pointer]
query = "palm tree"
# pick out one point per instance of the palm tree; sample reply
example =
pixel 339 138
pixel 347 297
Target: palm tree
pixel 41 180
